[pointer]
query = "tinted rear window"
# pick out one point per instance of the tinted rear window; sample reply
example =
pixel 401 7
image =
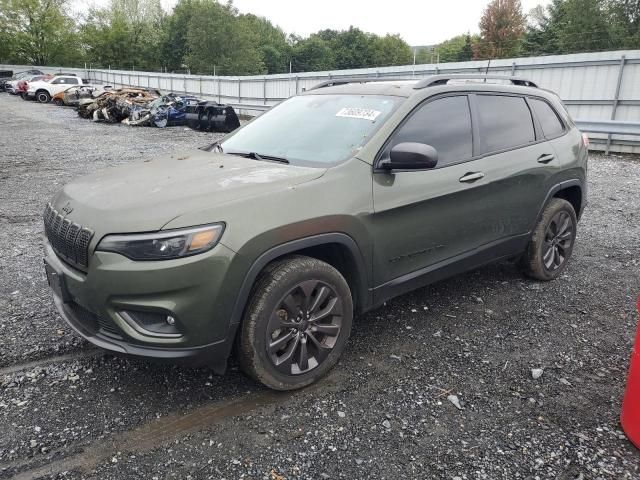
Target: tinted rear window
pixel 505 122
pixel 549 121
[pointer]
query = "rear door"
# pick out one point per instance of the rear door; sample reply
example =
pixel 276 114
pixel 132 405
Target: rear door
pixel 519 161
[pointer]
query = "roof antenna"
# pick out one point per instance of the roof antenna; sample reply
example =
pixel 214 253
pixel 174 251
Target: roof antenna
pixel 486 72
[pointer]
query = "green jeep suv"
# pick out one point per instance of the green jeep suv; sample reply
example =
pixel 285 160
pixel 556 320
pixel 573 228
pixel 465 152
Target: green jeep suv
pixel 326 206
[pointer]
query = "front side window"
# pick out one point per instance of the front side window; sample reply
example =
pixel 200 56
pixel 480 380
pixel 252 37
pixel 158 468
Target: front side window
pixel 549 121
pixel 57 81
pixel 505 122
pixel 445 124
pixel 314 129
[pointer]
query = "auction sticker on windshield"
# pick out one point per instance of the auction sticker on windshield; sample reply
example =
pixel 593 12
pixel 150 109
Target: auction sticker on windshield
pixel 363 113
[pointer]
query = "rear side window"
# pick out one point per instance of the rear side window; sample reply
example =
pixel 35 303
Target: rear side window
pixel 549 121
pixel 505 122
pixel 445 124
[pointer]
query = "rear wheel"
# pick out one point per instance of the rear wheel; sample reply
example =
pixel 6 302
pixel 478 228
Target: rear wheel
pixel 43 96
pixel 552 242
pixel 203 119
pixel 297 323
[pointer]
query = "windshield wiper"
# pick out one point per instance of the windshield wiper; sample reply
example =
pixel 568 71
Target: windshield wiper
pixel 257 156
pixel 214 147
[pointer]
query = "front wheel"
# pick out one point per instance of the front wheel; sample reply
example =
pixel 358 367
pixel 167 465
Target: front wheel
pixel 297 323
pixel 552 242
pixel 43 96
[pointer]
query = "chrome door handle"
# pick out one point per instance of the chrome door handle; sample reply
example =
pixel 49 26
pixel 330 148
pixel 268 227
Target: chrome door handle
pixel 471 177
pixel 545 158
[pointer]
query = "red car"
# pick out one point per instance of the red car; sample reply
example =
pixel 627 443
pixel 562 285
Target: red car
pixel 21 87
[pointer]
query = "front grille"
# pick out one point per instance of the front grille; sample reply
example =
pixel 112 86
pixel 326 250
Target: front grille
pixel 107 327
pixel 94 323
pixel 69 240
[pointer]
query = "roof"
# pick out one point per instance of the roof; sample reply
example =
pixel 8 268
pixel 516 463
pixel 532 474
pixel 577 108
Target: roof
pixel 406 87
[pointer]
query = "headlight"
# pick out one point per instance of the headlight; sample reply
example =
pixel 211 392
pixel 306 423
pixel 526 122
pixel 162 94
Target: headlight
pixel 163 245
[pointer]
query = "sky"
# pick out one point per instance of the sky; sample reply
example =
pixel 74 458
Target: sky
pixel 419 22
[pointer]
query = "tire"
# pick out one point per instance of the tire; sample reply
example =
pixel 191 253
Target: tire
pixel 43 96
pixel 270 318
pixel 552 241
pixel 203 119
pixel 58 102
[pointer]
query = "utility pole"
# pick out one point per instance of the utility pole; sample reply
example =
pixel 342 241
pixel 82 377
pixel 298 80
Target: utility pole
pixel 413 70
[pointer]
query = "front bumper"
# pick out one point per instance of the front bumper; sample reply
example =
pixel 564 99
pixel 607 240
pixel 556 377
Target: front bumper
pixel 199 292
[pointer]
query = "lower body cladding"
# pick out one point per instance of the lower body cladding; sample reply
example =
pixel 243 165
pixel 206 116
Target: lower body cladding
pixel 179 310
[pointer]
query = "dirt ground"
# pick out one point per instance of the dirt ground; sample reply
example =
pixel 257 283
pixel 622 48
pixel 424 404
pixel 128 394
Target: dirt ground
pixel 68 410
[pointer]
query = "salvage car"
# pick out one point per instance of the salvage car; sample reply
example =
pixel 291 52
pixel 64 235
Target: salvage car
pixel 17 86
pixel 43 90
pixel 329 204
pixel 22 86
pixel 71 96
pixel 165 111
pixel 18 76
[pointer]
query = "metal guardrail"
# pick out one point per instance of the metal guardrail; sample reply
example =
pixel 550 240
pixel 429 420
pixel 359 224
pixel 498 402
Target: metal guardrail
pixel 610 127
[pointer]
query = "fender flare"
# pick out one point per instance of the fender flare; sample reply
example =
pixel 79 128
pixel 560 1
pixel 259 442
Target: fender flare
pixel 291 247
pixel 555 189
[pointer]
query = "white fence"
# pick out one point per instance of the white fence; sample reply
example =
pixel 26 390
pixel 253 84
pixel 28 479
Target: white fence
pixel 594 86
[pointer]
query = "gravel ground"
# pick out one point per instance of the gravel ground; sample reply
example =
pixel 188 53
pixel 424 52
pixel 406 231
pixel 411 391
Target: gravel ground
pixel 386 411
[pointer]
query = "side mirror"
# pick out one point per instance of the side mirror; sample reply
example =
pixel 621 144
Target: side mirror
pixel 411 156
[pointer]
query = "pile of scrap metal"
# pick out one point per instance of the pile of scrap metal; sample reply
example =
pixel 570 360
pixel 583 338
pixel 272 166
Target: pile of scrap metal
pixel 116 105
pixel 168 110
pixel 139 106
pixel 212 117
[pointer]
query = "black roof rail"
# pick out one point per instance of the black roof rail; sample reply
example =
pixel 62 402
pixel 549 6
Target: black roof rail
pixel 442 79
pixel 343 81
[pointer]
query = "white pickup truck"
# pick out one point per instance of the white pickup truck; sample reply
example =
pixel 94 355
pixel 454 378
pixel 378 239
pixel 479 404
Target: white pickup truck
pixel 45 89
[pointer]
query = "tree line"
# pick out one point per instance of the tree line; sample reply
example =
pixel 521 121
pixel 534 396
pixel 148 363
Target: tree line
pixel 207 37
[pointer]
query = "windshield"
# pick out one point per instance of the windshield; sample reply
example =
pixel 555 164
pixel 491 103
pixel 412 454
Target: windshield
pixel 314 129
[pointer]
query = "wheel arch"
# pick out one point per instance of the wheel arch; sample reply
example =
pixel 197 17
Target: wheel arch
pixel 570 190
pixel 337 249
pixel 573 195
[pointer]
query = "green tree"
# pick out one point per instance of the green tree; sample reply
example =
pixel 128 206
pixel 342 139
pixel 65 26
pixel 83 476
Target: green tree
pixel 625 22
pixel 126 34
pixel 353 49
pixel 391 50
pixel 271 41
pixel 39 32
pixel 173 37
pixel 502 27
pixel 569 26
pixel 216 38
pixel 580 26
pixel 312 54
pixel 456 49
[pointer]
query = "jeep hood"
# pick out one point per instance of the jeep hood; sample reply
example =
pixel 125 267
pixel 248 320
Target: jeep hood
pixel 145 196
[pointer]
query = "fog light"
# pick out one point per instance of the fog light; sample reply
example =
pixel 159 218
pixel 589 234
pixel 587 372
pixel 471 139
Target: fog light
pixel 155 324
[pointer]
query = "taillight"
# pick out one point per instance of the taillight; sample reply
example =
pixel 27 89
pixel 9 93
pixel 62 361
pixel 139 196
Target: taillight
pixel 585 140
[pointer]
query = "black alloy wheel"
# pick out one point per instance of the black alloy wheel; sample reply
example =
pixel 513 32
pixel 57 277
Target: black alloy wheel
pixel 558 241
pixel 297 323
pixel 304 327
